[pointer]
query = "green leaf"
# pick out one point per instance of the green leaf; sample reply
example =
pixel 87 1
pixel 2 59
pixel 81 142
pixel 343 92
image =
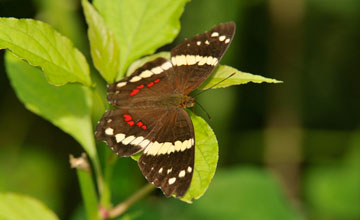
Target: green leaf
pixel 15 206
pixel 65 18
pixel 136 156
pixel 206 158
pixel 67 107
pixel 223 71
pixel 144 60
pixel 40 45
pixel 141 26
pixel 105 51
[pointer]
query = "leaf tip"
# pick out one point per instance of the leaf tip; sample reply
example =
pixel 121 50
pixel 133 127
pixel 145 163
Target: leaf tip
pixel 276 81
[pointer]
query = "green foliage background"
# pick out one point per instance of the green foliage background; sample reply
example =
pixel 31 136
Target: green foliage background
pixel 288 151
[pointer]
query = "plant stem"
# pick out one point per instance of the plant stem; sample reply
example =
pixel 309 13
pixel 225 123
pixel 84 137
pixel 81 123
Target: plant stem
pixel 110 159
pixel 87 185
pixel 122 207
pixel 102 186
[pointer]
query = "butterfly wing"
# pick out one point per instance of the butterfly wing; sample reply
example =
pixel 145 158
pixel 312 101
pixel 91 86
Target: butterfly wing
pixel 168 163
pixel 195 58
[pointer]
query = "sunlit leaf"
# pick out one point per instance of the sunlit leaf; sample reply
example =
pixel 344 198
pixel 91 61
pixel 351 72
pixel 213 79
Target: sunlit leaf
pixel 141 26
pixel 67 107
pixel 65 18
pixel 136 156
pixel 223 71
pixel 40 45
pixel 15 206
pixel 104 48
pixel 144 60
pixel 206 157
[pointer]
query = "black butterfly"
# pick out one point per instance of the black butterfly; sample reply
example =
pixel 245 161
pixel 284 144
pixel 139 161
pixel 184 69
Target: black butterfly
pixel 150 111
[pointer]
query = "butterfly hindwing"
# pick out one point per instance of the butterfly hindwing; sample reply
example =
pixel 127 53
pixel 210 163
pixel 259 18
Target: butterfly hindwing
pixel 195 58
pixel 169 162
pixel 128 131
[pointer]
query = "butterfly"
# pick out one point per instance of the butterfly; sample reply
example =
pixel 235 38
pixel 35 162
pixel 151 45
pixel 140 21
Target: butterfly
pixel 150 115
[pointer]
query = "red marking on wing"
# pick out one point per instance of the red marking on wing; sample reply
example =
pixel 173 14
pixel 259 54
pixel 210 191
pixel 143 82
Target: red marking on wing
pixel 134 92
pixel 139 124
pixel 138 88
pixel 144 127
pixel 131 123
pixel 127 117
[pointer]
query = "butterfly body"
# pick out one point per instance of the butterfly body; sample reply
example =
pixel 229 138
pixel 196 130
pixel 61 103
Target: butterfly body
pixel 177 100
pixel 150 113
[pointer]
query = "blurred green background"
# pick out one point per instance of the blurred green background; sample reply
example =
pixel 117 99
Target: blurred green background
pixel 287 151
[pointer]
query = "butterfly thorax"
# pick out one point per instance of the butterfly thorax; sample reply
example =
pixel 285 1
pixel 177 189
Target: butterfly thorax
pixel 187 102
pixel 177 100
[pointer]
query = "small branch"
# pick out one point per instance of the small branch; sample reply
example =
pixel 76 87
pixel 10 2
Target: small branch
pixel 81 163
pixel 122 207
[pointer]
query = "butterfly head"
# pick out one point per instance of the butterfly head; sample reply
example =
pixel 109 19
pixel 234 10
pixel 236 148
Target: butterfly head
pixel 188 102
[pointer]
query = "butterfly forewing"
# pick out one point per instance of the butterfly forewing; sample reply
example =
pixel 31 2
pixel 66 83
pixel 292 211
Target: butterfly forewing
pixel 195 58
pixel 147 83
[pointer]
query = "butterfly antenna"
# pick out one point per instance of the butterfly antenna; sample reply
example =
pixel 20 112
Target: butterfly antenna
pixel 231 75
pixel 208 115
